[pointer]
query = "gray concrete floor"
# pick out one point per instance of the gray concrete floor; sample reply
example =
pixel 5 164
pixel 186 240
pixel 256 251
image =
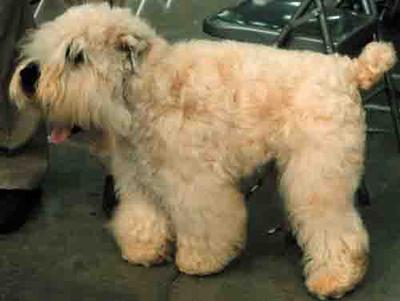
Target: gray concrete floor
pixel 66 253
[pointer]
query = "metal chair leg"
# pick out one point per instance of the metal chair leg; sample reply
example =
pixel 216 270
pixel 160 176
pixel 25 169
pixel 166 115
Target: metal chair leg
pixel 168 4
pixel 283 35
pixel 140 7
pixel 328 42
pixel 394 106
pixel 38 9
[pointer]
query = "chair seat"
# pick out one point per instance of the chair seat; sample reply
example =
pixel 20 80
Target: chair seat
pixel 263 23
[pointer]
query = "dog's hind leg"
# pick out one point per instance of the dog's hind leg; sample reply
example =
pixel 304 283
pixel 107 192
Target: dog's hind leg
pixel 210 220
pixel 319 179
pixel 141 227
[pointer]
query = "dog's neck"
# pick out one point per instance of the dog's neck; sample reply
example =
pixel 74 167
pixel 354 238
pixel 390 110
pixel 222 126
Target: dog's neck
pixel 157 47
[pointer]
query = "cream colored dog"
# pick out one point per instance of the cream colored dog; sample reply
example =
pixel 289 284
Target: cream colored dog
pixel 188 120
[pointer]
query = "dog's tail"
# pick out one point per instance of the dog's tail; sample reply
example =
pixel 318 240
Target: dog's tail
pixel 375 59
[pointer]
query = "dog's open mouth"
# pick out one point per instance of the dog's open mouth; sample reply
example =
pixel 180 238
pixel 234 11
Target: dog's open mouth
pixel 60 134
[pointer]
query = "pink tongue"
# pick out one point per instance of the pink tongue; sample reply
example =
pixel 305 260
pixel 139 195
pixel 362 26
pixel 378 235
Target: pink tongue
pixel 59 135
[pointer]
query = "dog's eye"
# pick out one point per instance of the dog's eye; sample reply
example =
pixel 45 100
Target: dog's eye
pixel 79 58
pixel 73 57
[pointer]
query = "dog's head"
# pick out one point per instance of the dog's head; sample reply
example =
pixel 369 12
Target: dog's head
pixel 75 68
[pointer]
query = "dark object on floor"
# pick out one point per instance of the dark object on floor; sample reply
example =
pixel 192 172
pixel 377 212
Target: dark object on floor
pixel 16 206
pixel 391 15
pixel 362 194
pixel 110 200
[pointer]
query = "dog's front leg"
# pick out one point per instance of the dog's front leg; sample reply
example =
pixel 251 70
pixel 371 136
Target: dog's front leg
pixel 319 182
pixel 141 227
pixel 210 219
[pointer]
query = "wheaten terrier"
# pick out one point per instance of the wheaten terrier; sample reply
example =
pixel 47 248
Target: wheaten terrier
pixel 188 120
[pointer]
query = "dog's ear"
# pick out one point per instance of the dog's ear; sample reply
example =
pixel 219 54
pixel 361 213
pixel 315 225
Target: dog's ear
pixel 29 76
pixel 24 82
pixel 135 47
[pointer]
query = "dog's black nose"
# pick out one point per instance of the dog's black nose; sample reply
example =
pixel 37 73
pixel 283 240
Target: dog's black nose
pixel 76 129
pixel 29 77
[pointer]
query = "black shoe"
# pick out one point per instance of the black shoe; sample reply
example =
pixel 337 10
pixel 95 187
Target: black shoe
pixel 16 206
pixel 110 200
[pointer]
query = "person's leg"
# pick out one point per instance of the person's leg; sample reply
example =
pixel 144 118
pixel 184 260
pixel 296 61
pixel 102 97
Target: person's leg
pixel 23 145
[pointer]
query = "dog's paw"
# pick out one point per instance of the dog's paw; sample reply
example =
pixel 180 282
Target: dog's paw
pixel 199 259
pixel 146 253
pixel 196 264
pixel 142 232
pixel 147 244
pixel 335 282
pixel 327 285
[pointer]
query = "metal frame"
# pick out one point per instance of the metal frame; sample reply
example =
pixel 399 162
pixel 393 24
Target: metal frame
pixel 38 9
pixel 296 19
pixel 167 5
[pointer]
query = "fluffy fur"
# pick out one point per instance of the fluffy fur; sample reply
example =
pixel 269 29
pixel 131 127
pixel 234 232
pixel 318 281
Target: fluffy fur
pixel 186 121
